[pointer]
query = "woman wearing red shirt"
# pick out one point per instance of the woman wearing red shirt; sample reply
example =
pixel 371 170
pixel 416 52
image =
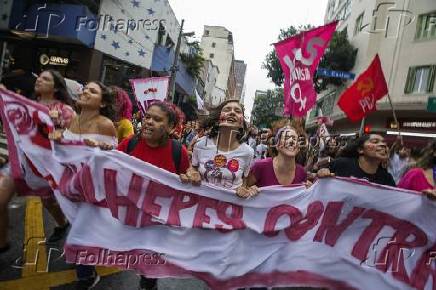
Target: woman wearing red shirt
pixel 155 146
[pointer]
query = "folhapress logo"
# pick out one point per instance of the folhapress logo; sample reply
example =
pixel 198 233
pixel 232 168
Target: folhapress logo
pixel 388 19
pixel 39 24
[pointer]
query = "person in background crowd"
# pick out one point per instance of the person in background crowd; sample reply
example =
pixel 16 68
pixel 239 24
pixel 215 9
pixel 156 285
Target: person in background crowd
pixel 201 132
pixel 93 126
pixel 327 154
pixel 51 91
pixel 123 115
pixel 222 158
pixel 362 159
pixel 261 149
pixel 398 160
pixel 423 176
pixel 155 146
pixel 281 169
pixel 189 133
pixel 21 82
pixel 251 140
pixel 137 121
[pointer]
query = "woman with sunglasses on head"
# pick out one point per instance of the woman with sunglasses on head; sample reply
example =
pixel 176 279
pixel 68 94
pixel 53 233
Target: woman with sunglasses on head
pixel 423 176
pixel 363 159
pixel 50 90
pixel 281 169
pixel 222 158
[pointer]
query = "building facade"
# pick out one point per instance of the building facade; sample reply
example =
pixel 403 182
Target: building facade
pixel 208 76
pixel 217 45
pixel 240 70
pixel 111 41
pixel 403 34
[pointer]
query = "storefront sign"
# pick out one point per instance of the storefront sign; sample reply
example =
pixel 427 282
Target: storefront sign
pixel 44 59
pixel 423 124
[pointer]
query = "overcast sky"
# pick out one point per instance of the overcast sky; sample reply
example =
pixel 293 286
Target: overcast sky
pixel 255 25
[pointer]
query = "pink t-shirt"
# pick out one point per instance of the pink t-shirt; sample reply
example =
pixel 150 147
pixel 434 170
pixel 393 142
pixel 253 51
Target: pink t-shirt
pixel 415 179
pixel 263 171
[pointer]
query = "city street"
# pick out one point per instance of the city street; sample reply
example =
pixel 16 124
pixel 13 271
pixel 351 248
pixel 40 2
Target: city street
pixel 218 144
pixel 60 276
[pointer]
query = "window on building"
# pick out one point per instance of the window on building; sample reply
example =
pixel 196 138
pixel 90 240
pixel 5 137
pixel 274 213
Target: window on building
pixel 426 26
pixel 420 79
pixel 160 34
pixel 341 14
pixel 213 44
pixel 358 26
pixel 206 33
pixel 347 8
pixel 230 38
pixel 211 55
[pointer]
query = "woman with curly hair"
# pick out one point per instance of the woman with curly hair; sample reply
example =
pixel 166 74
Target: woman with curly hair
pixel 422 177
pixel 222 158
pixel 123 115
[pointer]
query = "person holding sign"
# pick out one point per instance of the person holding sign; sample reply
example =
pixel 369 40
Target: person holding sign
pixel 155 146
pixel 281 169
pixel 51 91
pixel 94 127
pixel 362 159
pixel 222 158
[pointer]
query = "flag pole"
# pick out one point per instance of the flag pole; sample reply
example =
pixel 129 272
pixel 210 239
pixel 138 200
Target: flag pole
pixel 362 126
pixel 395 118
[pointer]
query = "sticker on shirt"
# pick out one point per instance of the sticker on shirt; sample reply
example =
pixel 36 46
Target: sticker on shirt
pixel 233 165
pixel 220 161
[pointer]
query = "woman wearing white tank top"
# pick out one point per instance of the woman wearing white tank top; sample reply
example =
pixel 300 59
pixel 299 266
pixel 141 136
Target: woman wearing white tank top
pixel 94 126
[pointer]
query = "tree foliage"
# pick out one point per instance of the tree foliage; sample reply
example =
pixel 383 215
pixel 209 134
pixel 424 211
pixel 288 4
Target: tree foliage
pixel 265 106
pixel 194 60
pixel 339 55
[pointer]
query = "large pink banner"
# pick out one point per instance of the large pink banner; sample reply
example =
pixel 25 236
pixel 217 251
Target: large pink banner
pixel 299 57
pixel 337 234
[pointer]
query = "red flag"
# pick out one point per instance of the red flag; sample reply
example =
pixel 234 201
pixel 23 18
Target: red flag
pixel 359 99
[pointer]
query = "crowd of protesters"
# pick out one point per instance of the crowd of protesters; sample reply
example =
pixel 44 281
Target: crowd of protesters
pixel 218 149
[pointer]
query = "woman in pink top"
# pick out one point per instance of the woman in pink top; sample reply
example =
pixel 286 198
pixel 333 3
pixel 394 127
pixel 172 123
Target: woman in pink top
pixel 422 178
pixel 281 169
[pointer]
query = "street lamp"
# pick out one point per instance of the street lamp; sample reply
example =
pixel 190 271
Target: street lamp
pixel 174 68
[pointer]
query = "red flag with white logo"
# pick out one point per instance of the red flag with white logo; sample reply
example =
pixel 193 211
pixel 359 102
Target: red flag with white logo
pixel 360 99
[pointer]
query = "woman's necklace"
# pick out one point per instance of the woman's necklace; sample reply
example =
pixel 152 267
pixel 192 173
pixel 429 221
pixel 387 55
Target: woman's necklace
pixel 80 121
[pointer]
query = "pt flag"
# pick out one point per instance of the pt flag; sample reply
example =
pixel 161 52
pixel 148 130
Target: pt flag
pixel 299 57
pixel 359 99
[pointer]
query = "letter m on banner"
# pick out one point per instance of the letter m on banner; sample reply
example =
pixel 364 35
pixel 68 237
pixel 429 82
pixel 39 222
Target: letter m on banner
pixel 299 57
